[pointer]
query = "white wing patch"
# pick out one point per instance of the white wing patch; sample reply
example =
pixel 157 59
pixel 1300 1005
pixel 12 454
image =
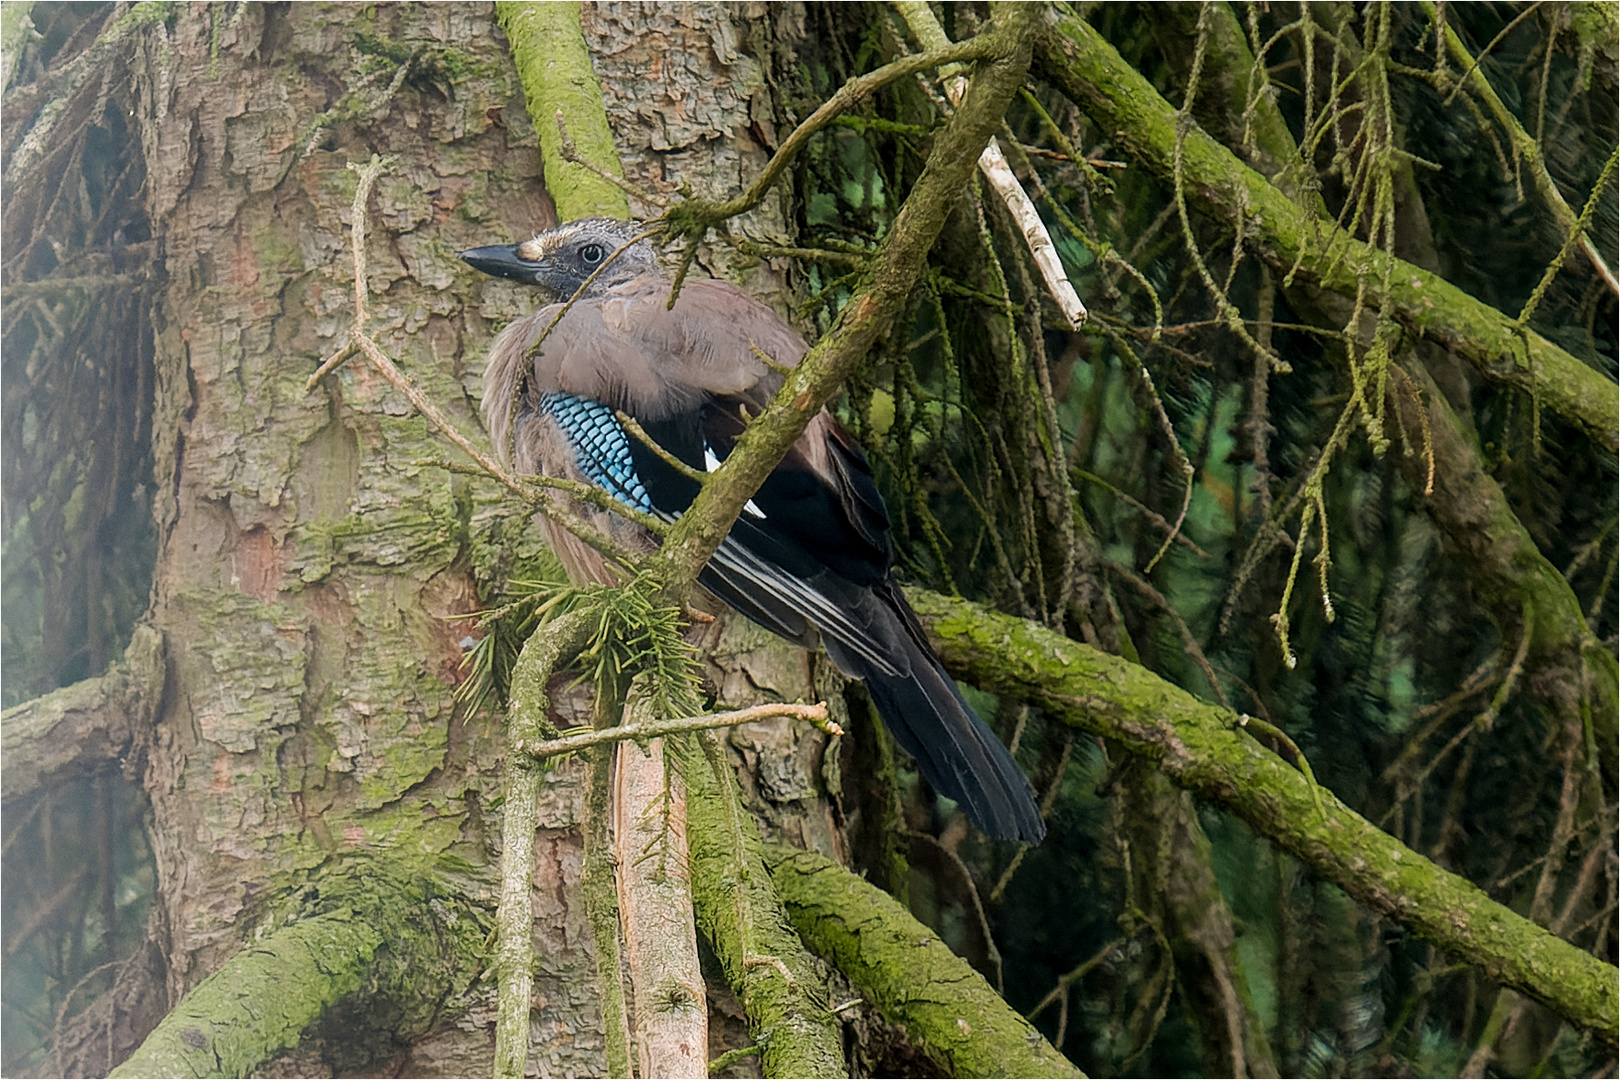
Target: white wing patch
pixel 711 463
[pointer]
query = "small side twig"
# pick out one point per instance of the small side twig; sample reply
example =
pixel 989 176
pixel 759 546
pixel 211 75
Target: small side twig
pixel 652 729
pixel 571 154
pixel 993 165
pixel 687 216
pixel 730 1058
pixel 585 286
pixel 639 433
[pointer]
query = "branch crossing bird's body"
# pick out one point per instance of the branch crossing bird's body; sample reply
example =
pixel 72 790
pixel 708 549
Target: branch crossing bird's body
pixel 811 550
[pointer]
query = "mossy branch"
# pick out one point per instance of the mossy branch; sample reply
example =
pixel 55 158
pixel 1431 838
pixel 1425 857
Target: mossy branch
pixel 372 933
pixel 260 1000
pixel 895 270
pixel 554 66
pixel 911 976
pixel 1240 97
pixel 1076 59
pixel 1203 749
pixel 1525 148
pixel 82 729
pixel 744 921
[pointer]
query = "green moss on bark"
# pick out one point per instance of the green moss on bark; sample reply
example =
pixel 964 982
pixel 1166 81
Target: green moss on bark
pixel 1203 749
pixel 390 948
pixel 259 1001
pixel 1076 59
pixel 911 976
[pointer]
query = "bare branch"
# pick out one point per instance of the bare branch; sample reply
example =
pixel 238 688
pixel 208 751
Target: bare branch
pixel 993 164
pixel 658 728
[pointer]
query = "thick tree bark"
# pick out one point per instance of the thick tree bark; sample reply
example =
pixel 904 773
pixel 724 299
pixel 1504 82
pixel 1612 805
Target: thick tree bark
pixel 309 558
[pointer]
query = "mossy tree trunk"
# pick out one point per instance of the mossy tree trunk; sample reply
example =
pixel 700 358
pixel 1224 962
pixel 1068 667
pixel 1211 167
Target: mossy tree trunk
pixel 309 756
pixel 309 753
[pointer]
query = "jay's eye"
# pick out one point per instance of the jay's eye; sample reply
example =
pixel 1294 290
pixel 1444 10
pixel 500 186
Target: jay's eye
pixel 592 254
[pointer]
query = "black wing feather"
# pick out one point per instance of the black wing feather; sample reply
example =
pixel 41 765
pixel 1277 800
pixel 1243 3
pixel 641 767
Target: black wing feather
pixel 818 554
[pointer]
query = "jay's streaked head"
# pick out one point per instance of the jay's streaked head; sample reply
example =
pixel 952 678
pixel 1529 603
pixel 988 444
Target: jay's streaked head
pixel 561 260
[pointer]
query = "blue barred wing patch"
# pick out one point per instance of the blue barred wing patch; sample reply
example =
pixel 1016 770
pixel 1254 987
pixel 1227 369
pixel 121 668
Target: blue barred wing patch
pixel 601 447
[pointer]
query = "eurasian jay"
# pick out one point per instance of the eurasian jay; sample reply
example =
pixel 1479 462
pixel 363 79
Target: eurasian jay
pixel 810 551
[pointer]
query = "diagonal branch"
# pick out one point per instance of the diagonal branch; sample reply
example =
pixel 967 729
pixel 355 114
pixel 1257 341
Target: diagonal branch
pixel 1076 59
pixel 910 976
pixel 742 918
pixel 701 214
pixel 1202 748
pixel 895 269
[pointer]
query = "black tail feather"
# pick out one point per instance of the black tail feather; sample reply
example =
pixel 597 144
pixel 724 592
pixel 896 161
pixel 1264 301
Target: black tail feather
pixel 957 753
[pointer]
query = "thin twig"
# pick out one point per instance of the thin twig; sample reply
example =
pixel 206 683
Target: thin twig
pixel 993 164
pixel 1157 519
pixel 1073 976
pixel 1189 643
pixel 571 744
pixel 849 95
pixel 1502 33
pixel 630 425
pixel 571 154
pixel 585 286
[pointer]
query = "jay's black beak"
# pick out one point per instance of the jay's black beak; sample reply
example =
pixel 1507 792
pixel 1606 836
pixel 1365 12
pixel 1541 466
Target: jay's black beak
pixel 501 261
